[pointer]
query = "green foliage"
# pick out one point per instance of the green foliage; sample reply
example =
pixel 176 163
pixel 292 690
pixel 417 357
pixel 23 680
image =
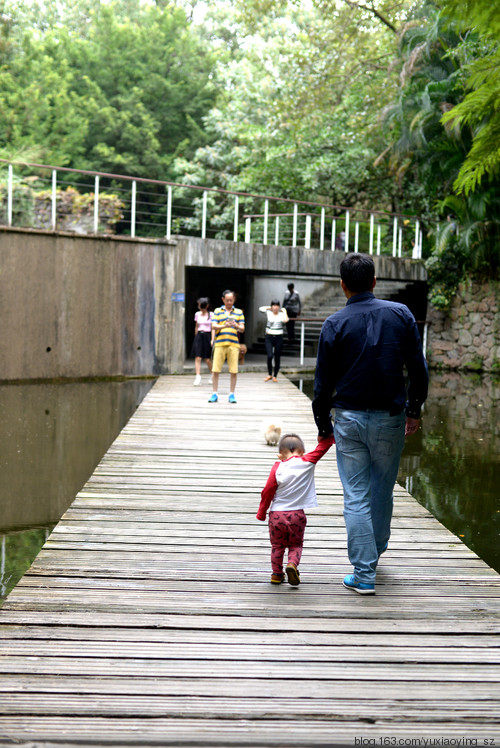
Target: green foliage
pixel 74 211
pixel 422 151
pixel 445 272
pixel 22 205
pixel 118 87
pixel 475 364
pixel 297 116
pixel 479 112
pixel 21 548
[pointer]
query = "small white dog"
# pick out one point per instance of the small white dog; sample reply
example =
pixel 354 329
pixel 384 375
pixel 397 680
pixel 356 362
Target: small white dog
pixel 272 433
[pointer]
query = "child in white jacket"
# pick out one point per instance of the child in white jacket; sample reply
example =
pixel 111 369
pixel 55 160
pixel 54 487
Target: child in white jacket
pixel 289 490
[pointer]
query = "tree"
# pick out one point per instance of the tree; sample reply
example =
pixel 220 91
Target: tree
pixel 297 116
pixel 120 87
pixel 479 112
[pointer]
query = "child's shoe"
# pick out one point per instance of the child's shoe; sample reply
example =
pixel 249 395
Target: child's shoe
pixel 197 380
pixel 277 578
pixel 293 575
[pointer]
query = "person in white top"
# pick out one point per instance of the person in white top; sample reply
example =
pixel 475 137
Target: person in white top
pixel 275 327
pixel 289 490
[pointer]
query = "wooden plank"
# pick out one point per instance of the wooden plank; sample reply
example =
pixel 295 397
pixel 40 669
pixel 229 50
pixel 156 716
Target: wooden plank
pixel 148 616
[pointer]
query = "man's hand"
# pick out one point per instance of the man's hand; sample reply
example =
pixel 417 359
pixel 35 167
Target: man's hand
pixel 411 425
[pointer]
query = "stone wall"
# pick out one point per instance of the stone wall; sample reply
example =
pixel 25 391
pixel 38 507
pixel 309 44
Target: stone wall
pixel 468 335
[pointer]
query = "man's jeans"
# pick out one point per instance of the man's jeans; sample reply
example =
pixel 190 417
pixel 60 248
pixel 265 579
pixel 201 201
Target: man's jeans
pixel 369 445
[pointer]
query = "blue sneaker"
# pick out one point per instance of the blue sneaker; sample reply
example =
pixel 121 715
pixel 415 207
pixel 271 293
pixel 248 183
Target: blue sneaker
pixel 213 398
pixel 361 587
pixel 232 398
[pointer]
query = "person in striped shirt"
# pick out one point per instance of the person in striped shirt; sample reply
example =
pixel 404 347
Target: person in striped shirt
pixel 228 322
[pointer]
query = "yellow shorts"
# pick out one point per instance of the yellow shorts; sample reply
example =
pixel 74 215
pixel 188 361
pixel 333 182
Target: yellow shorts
pixel 223 352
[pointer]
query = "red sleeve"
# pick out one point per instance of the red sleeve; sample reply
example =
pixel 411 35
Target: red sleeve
pixel 268 492
pixel 322 448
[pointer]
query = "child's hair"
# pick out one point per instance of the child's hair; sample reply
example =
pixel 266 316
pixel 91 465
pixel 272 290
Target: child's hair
pixel 291 443
pixel 275 302
pixel 204 304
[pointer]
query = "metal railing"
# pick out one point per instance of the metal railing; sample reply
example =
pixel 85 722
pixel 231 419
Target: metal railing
pixel 155 208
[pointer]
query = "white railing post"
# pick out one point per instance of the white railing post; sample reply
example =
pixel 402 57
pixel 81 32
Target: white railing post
pixel 277 231
pixel 266 220
pixel 204 216
pixel 334 227
pixel 302 342
pixel 417 239
pixel 10 194
pixel 247 229
pixel 356 236
pixel 54 199
pixel 379 238
pixel 3 556
pixel 307 243
pixel 236 213
pixel 395 237
pixel 322 230
pixel 96 205
pixel 400 242
pixel 168 233
pixel 346 232
pixel 372 220
pixel 424 342
pixel 132 208
pixel 295 217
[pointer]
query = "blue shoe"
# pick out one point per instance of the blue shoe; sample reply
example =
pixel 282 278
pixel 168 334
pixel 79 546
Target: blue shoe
pixel 232 398
pixel 213 398
pixel 361 587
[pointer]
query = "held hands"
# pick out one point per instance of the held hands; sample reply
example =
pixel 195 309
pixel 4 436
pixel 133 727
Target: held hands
pixel 411 425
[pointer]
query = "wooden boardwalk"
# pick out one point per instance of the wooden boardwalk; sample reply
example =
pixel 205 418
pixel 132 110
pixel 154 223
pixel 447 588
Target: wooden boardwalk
pixel 148 617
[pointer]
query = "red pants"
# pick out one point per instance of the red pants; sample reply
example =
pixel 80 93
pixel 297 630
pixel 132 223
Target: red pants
pixel 286 530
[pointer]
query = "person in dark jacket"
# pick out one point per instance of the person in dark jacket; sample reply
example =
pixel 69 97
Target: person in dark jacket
pixel 293 307
pixel 363 350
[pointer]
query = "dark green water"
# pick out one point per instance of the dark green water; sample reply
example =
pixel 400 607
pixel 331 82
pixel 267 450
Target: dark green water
pixel 52 437
pixel 452 465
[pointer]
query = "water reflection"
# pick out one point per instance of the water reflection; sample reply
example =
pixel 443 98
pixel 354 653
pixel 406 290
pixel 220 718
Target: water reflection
pixel 52 436
pixel 452 465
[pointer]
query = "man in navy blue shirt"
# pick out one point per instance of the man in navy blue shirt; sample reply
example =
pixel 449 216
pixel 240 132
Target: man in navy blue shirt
pixel 362 352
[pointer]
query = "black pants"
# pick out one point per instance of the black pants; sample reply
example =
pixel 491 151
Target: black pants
pixel 274 345
pixel 290 325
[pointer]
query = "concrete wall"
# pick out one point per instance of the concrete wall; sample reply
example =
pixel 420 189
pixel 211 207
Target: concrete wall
pixel 270 269
pixel 288 261
pixel 81 306
pixel 75 306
